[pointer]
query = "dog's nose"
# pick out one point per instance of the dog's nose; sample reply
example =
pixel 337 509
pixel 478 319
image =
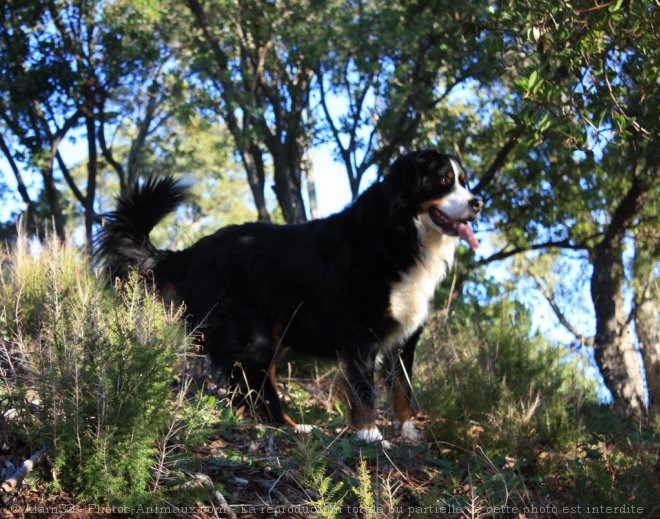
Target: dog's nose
pixel 476 205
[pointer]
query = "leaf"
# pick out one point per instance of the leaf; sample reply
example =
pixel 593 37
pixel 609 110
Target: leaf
pixel 532 78
pixel 616 6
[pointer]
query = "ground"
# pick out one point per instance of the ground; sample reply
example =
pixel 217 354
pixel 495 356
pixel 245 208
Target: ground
pixel 263 471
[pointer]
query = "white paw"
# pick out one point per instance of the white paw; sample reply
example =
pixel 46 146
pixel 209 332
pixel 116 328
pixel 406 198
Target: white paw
pixel 371 435
pixel 409 432
pixel 304 428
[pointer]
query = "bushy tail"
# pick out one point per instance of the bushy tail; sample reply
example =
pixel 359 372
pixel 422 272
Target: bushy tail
pixel 123 242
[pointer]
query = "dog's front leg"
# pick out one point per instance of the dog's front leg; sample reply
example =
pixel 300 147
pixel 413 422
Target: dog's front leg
pixel 358 367
pixel 399 369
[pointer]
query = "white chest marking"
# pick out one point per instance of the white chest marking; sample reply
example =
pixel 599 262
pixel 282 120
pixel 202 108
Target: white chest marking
pixel 410 297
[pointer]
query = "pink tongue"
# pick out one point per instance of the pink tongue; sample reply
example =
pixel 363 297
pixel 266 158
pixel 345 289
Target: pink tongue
pixel 465 233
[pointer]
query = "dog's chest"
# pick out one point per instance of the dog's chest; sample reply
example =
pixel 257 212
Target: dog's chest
pixel 410 297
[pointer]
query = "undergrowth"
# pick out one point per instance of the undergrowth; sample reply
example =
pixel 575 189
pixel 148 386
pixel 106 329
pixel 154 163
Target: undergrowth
pixel 511 423
pixel 90 371
pixel 518 423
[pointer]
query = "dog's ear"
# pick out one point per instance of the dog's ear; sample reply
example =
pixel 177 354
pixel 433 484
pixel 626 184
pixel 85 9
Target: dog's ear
pixel 402 181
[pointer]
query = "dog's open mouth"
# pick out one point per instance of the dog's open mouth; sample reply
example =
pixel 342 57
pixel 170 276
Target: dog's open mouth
pixel 460 228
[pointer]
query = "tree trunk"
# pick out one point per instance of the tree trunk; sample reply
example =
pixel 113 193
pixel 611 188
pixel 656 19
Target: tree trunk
pixel 256 175
pixel 31 211
pixel 646 310
pixel 614 347
pixel 311 185
pixel 90 217
pixel 287 190
pixel 53 197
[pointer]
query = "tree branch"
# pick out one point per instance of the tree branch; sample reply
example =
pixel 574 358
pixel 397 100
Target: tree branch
pixel 69 179
pixel 498 162
pixel 14 480
pixel 561 244
pixel 107 152
pixel 343 152
pixel 549 296
pixel 143 131
pixel 627 209
pixel 17 173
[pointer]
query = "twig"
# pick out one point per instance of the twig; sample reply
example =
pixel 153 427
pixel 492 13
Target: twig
pixel 266 485
pixel 220 499
pixel 15 479
pixel 549 296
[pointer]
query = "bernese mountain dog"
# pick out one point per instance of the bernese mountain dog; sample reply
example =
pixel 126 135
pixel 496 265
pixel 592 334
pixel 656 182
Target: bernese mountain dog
pixel 352 286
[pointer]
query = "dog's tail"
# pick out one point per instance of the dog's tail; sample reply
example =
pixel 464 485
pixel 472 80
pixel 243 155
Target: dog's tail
pixel 123 242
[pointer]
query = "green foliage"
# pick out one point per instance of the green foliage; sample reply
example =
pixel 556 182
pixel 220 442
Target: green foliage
pixel 309 454
pixel 586 68
pixel 498 381
pixel 364 491
pixel 199 153
pixel 614 461
pixel 392 67
pixel 98 367
pixel 515 417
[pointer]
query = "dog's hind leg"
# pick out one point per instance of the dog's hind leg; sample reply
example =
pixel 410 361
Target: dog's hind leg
pixel 259 357
pixel 241 345
pixel 262 385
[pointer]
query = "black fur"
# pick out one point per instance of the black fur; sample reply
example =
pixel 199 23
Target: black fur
pixel 123 242
pixel 321 287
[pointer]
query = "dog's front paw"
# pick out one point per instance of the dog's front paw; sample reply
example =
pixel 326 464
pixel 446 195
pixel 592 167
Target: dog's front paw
pixel 304 428
pixel 372 435
pixel 410 433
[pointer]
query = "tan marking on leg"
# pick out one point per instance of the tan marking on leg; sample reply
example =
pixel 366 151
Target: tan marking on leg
pixel 272 376
pixel 401 399
pixel 278 331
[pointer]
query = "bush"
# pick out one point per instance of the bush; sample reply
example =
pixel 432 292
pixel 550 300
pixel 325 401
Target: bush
pixel 497 382
pixel 95 369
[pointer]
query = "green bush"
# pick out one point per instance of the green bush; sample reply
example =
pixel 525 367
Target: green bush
pixel 96 369
pixel 496 384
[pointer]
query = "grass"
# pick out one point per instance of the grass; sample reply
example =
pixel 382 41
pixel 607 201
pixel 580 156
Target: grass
pixel 133 419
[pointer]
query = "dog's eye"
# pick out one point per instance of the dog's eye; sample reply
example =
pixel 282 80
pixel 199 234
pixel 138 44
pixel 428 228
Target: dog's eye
pixel 445 181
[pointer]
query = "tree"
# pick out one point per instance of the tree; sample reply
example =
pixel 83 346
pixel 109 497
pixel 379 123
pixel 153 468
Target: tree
pixel 80 67
pixel 583 174
pixel 647 295
pixel 37 108
pixel 257 61
pixel 555 105
pixel 394 66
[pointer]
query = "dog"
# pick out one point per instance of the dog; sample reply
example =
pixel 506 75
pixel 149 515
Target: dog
pixel 354 286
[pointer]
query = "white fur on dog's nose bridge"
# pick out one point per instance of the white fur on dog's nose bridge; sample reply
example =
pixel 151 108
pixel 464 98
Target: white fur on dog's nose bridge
pixel 455 166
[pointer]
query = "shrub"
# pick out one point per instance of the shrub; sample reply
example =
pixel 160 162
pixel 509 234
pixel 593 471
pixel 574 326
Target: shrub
pixel 96 369
pixel 497 383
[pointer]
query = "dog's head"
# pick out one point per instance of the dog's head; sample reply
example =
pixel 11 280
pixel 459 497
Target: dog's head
pixel 432 187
